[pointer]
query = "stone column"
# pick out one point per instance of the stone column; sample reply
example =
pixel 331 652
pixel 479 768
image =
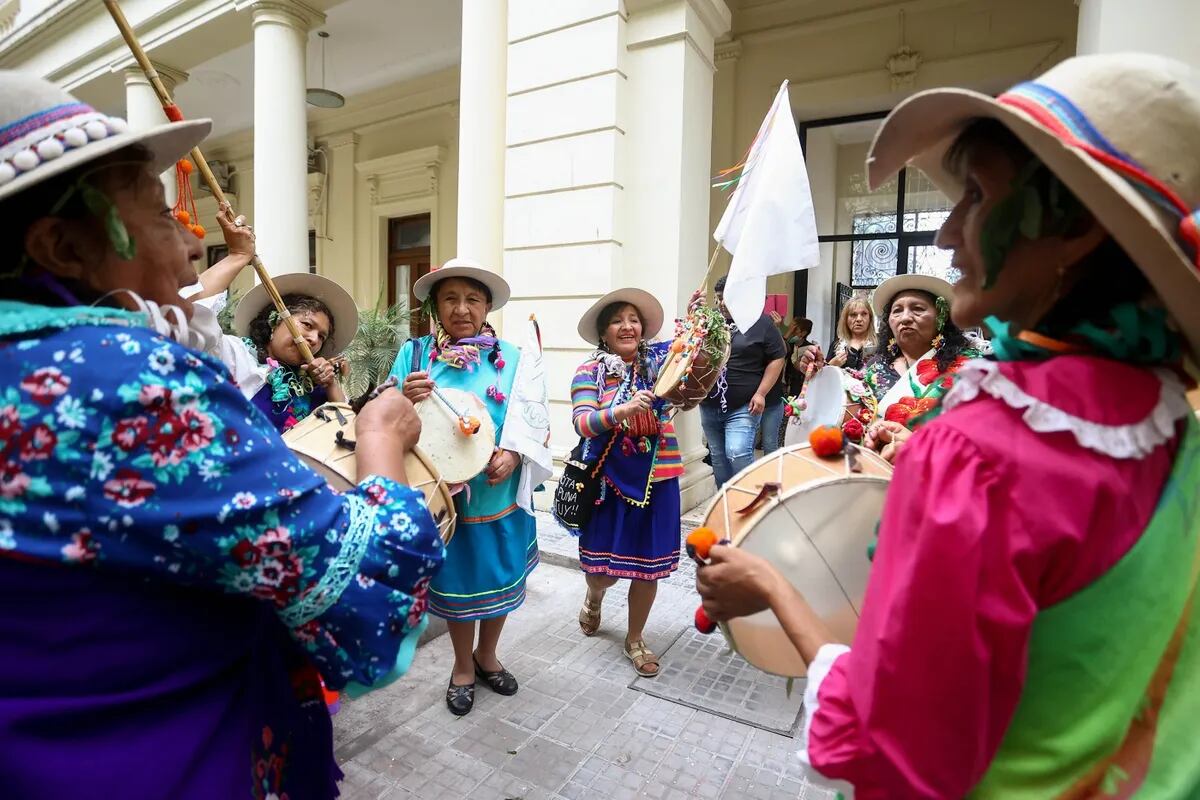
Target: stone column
pixel 670 123
pixel 143 109
pixel 481 131
pixel 1165 27
pixel 281 133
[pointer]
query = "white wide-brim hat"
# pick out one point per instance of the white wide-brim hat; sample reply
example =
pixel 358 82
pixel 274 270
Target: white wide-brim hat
pixel 464 268
pixel 885 292
pixel 649 309
pixel 44 131
pixel 1119 130
pixel 338 300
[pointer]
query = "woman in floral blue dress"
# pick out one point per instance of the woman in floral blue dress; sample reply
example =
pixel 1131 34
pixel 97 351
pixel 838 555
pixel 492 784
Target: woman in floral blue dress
pixel 173 581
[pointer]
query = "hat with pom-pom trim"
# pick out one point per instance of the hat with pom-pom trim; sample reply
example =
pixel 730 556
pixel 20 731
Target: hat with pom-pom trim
pixel 45 131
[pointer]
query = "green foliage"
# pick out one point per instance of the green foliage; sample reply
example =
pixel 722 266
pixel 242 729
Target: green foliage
pixel 717 338
pixel 225 317
pixel 382 331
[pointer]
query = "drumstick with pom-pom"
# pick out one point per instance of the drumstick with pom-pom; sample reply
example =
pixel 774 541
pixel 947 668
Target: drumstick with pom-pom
pixel 699 542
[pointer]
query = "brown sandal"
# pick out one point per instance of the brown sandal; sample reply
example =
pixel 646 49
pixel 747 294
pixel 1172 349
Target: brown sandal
pixel 589 615
pixel 642 657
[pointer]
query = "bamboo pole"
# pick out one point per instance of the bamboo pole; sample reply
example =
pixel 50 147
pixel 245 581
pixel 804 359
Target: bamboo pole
pixel 172 111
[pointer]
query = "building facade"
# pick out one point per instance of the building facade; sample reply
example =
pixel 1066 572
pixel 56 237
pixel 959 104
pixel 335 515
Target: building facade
pixel 569 144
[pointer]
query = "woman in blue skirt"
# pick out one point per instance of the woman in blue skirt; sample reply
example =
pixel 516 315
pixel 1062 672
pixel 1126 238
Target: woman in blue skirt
pixel 495 542
pixel 634 532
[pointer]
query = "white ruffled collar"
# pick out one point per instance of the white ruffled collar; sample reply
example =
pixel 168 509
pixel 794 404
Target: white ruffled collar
pixel 1136 440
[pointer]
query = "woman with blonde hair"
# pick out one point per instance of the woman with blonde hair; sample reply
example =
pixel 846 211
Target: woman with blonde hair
pixel 856 340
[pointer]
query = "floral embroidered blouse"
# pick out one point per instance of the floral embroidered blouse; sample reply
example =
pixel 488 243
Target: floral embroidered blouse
pixel 132 469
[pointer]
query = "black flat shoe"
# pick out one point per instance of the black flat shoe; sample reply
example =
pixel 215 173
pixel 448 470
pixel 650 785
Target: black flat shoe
pixel 460 699
pixel 500 682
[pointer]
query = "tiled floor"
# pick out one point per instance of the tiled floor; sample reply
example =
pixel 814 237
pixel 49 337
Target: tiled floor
pixel 576 729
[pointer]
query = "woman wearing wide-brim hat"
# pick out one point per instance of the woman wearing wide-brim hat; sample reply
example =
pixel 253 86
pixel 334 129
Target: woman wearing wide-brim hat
pixel 326 317
pixel 920 346
pixel 174 582
pixel 495 540
pixel 634 531
pixel 1030 628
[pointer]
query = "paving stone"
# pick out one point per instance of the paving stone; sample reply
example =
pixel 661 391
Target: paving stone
pixel 528 709
pixel 637 750
pixel 698 671
pixel 492 741
pixel 449 774
pixel 503 786
pixel 579 728
pixel 545 763
pixel 597 778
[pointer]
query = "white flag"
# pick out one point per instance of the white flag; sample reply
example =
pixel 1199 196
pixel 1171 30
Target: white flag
pixel 527 421
pixel 769 225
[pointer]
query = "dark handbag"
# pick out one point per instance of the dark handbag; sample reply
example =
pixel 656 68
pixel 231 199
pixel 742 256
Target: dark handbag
pixel 578 491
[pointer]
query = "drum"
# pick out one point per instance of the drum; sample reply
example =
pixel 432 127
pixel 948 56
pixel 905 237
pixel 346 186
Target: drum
pixel 688 376
pixel 324 440
pixel 813 518
pixel 457 455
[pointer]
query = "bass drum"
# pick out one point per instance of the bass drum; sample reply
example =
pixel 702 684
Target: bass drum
pixel 324 440
pixel 812 518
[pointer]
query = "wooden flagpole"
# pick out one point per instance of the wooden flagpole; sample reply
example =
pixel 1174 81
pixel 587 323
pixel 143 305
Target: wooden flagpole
pixel 173 114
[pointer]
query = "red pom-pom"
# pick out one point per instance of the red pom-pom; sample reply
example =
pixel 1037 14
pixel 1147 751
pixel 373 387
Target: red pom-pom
pixel 703 623
pixel 853 430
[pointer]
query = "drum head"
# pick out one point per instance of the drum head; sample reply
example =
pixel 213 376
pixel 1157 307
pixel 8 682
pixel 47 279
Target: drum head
pixel 825 399
pixel 456 456
pixel 815 528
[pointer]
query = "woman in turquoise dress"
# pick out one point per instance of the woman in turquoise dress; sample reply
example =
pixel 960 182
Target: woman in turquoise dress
pixel 495 542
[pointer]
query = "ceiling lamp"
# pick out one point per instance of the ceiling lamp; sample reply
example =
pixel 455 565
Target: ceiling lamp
pixel 322 97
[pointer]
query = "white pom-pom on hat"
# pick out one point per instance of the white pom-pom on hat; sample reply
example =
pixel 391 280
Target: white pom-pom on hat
pixel 50 149
pixel 75 137
pixel 95 129
pixel 116 125
pixel 26 160
pixel 7 173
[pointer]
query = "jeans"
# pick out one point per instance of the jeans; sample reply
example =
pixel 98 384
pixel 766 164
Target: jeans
pixel 730 437
pixel 772 422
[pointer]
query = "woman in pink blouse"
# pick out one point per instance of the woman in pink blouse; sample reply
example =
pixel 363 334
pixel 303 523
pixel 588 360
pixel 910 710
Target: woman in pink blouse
pixel 1028 629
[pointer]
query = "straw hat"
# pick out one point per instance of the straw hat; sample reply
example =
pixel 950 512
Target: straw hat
pixel 464 268
pixel 885 292
pixel 1119 130
pixel 649 309
pixel 44 131
pixel 339 301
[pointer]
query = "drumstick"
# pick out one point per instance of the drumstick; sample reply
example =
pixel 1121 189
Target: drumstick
pixel 448 404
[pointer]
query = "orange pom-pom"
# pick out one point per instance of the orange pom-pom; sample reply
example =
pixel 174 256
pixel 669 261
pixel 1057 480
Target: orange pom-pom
pixel 677 346
pixel 469 425
pixel 199 231
pixel 184 217
pixel 186 166
pixel 700 541
pixel 826 440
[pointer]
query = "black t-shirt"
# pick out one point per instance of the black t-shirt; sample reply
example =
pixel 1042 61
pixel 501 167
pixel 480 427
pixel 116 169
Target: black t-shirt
pixel 750 352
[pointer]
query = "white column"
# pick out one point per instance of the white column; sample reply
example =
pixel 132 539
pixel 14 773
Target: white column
pixel 1165 27
pixel 281 133
pixel 670 142
pixel 481 136
pixel 143 109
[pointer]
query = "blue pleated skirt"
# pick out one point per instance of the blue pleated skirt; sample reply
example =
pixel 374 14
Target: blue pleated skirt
pixel 624 541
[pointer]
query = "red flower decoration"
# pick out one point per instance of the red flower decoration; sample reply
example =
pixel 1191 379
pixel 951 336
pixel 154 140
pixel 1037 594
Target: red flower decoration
pixel 130 433
pixel 46 384
pixel 127 489
pixel 927 371
pixel 13 481
pixel 37 443
pixel 853 430
pixel 907 408
pixel 10 423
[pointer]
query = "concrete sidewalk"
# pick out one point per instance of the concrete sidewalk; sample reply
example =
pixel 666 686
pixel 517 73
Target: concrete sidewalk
pixel 582 725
